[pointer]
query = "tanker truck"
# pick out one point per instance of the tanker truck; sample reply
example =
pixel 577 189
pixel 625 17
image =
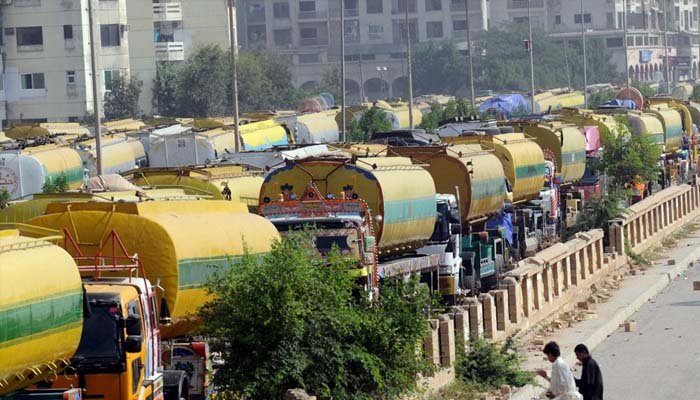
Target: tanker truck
pixel 60 335
pixel 180 244
pixel 383 211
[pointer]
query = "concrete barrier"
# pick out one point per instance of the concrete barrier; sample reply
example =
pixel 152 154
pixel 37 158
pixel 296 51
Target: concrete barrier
pixel 556 277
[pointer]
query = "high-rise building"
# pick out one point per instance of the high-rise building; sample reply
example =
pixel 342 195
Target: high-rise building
pixel 308 33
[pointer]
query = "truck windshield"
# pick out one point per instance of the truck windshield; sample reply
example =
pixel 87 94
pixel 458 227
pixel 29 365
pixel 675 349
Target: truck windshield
pixel 100 349
pixel 326 235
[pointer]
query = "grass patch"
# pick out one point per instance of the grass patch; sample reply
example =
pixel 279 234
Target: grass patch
pixel 457 390
pixel 488 366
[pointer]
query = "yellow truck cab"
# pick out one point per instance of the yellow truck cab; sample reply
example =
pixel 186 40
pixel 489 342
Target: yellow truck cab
pixel 118 358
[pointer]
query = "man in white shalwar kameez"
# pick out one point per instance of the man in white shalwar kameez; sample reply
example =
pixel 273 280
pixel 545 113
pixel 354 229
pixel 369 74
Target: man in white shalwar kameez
pixel 561 384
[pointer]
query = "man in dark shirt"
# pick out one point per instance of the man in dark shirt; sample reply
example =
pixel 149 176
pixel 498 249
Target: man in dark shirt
pixel 591 383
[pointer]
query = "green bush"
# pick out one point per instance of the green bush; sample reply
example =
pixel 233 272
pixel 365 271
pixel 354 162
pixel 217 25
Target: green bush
pixel 490 366
pixel 295 320
pixel 59 185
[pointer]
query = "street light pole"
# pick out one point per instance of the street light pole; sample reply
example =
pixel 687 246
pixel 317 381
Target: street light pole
pixel 624 34
pixel 585 70
pixel 469 51
pixel 532 62
pixel 96 94
pixel 409 67
pixel 342 70
pixel 668 67
pixel 234 73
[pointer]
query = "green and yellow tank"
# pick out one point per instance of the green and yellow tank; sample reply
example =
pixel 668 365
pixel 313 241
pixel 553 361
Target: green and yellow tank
pixel 606 123
pixel 475 172
pixel 41 309
pixel 22 211
pixel 401 196
pixel 564 143
pixel 179 243
pixel 672 123
pixel 521 158
pixel 263 135
pixel 647 124
pixel 206 181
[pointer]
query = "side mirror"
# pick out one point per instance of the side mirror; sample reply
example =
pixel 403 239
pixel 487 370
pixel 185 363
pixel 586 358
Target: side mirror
pixel 132 344
pixel 133 325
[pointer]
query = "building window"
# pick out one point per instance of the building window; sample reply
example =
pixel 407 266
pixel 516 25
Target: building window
pixel 376 32
pixel 610 20
pixel 109 77
pixel 459 25
pixel 280 10
pixel 434 29
pixel 309 58
pixel 308 33
pixel 70 77
pixel 306 6
pixel 352 31
pixel 110 36
pixel 614 42
pixel 375 7
pixel 30 36
pixel 433 5
pixel 400 6
pixel 282 37
pixel 586 18
pixel 68 32
pixel 33 81
pixel 557 20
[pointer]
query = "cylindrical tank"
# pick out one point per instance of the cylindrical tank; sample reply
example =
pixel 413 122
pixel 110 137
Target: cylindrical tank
pixel 400 195
pixel 672 123
pixel 564 144
pixel 682 91
pixel 521 158
pixel 41 310
pixel 478 175
pixel 320 127
pixel 117 154
pixel 647 125
pixel 399 117
pixel 263 135
pixel 694 109
pixel 180 243
pixel 25 172
pixel 581 118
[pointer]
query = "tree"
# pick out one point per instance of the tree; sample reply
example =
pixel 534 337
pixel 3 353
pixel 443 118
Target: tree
pixel 432 119
pixel 57 185
pixel 265 82
pixel 202 83
pixel 646 90
pixel 165 89
pixel 438 68
pixel 373 120
pixel 4 198
pixel 122 101
pixel 452 110
pixel 628 158
pixel 331 82
pixel 310 330
pixel 490 366
pixel 599 98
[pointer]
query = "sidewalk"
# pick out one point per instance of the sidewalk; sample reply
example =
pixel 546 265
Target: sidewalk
pixel 634 291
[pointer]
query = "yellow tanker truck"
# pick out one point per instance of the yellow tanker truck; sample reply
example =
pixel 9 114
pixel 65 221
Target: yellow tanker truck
pixel 180 244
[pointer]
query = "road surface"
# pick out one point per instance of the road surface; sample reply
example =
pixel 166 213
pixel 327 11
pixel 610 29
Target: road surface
pixel 661 360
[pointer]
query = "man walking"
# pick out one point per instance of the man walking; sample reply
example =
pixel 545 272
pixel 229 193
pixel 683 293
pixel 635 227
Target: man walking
pixel 591 383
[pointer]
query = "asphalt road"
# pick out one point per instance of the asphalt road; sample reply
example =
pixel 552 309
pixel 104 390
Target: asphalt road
pixel 661 360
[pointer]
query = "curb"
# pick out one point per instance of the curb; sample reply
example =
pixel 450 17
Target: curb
pixel 665 277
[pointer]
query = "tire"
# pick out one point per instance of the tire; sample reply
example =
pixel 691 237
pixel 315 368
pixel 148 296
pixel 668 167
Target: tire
pixel 176 386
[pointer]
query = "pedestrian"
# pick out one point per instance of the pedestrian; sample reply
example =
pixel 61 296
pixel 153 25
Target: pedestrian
pixel 561 384
pixel 591 383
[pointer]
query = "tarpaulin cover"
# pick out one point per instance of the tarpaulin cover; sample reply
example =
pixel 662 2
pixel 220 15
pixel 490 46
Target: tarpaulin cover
pixel 506 104
pixel 592 136
pixel 502 220
pixel 629 104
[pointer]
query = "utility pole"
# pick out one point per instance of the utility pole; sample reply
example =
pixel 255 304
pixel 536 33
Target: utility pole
pixel 585 70
pixel 234 72
pixel 410 69
pixel 342 70
pixel 566 63
pixel 469 51
pixel 668 67
pixel 627 59
pixel 96 93
pixel 531 48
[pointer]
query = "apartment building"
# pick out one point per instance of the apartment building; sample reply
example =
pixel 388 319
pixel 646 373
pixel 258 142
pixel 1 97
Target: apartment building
pixel 46 50
pixel 604 19
pixel 46 54
pixel 307 32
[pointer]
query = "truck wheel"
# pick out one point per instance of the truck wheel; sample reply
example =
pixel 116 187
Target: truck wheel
pixel 176 386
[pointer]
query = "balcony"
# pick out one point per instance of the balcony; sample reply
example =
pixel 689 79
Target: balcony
pixel 171 11
pixel 313 42
pixel 170 51
pixel 311 15
pixel 522 4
